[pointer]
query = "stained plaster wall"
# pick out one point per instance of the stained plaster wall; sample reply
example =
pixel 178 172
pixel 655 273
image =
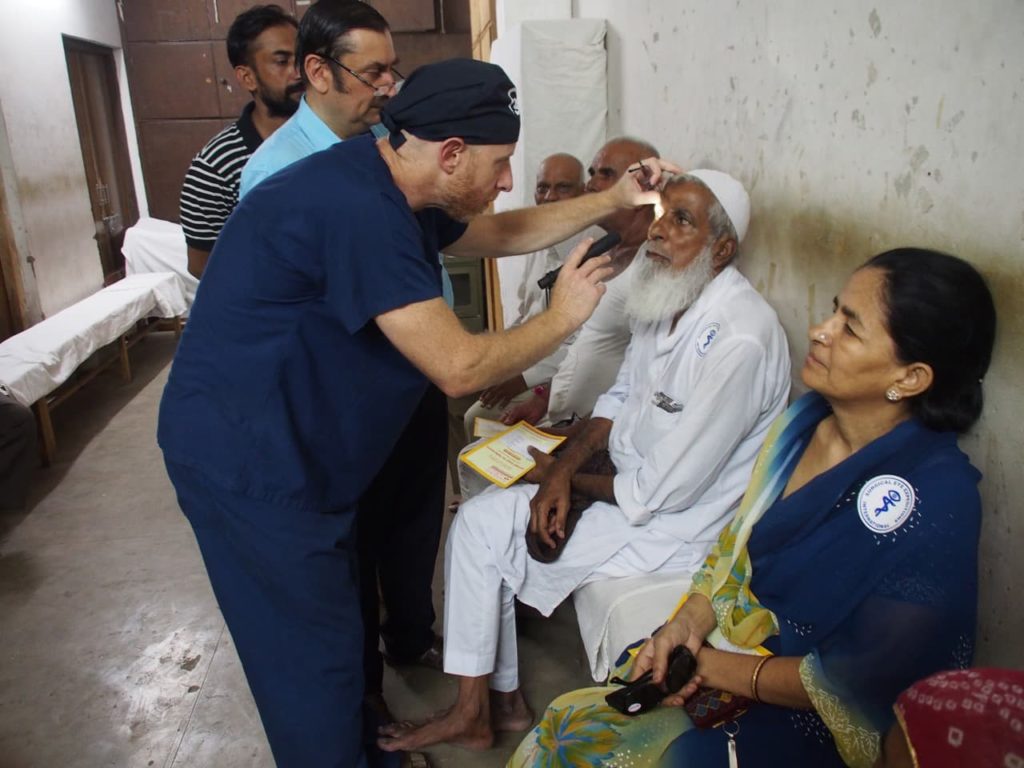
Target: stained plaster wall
pixel 857 126
pixel 53 196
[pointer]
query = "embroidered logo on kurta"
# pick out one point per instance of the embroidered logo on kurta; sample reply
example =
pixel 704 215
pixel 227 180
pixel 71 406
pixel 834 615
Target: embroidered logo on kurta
pixel 707 335
pixel 885 502
pixel 666 403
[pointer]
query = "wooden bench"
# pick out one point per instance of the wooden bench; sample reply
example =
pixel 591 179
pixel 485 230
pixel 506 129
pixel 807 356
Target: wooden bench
pixel 35 363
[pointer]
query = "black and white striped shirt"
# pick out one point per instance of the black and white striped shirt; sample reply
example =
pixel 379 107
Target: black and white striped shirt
pixel 210 191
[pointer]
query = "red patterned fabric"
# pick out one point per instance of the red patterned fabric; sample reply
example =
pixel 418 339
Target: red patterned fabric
pixel 972 717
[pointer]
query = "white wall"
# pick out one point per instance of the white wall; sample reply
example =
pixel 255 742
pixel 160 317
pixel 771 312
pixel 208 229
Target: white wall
pixel 857 126
pixel 559 67
pixel 43 138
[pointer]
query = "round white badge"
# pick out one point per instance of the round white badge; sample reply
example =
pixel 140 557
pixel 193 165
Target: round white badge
pixel 885 502
pixel 707 335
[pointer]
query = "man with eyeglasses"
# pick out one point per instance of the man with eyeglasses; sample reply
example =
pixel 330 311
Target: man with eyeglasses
pixel 347 60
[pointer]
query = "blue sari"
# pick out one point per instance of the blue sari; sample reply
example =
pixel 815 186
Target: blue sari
pixel 868 572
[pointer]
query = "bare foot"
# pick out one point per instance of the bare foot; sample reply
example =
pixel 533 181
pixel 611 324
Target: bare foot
pixel 467 729
pixel 510 712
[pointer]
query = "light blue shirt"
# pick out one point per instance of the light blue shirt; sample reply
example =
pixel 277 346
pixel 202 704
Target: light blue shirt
pixel 303 134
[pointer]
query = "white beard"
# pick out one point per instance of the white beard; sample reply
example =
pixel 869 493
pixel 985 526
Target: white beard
pixel 657 293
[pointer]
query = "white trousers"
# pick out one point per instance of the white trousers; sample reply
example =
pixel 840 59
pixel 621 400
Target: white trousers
pixel 487 566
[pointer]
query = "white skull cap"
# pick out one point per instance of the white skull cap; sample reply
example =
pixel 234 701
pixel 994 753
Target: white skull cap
pixel 731 195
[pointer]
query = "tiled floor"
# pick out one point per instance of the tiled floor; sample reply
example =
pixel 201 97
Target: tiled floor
pixel 112 649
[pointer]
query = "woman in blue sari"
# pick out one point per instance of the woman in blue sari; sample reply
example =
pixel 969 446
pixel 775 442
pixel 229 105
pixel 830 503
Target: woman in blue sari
pixel 850 570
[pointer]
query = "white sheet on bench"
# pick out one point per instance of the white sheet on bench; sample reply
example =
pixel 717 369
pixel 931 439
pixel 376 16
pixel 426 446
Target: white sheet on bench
pixel 36 361
pixel 155 245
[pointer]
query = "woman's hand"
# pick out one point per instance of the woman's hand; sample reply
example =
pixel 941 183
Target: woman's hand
pixel 654 655
pixel 679 698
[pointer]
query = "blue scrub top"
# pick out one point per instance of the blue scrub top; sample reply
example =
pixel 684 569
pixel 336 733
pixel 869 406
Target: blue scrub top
pixel 283 387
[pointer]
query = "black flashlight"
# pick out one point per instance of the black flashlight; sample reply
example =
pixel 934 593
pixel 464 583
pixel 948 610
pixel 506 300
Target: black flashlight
pixel 596 248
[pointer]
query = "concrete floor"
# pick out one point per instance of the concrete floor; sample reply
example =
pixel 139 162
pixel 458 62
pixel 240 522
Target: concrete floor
pixel 112 649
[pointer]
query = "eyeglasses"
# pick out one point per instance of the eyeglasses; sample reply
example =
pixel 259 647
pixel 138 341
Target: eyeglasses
pixel 397 79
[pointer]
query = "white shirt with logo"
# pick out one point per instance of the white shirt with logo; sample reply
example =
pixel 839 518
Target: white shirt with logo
pixel 692 408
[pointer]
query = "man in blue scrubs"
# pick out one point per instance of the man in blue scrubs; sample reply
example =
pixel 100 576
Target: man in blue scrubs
pixel 346 57
pixel 322 300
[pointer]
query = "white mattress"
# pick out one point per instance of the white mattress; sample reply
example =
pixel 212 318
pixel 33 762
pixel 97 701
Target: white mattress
pixel 36 361
pixel 614 613
pixel 154 245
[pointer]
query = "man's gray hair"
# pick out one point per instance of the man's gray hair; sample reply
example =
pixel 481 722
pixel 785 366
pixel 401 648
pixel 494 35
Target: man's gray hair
pixel 719 220
pixel 646 148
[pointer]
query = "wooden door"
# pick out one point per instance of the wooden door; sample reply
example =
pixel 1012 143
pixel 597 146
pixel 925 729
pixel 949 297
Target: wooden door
pixel 8 324
pixel 101 132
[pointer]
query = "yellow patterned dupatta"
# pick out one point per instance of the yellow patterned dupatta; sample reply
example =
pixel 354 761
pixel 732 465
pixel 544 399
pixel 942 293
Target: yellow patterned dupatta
pixel 724 579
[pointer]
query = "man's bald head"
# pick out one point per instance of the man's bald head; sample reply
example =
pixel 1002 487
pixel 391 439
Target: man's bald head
pixel 559 177
pixel 611 161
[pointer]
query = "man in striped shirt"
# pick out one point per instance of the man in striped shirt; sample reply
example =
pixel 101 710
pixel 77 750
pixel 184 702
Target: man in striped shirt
pixel 261 48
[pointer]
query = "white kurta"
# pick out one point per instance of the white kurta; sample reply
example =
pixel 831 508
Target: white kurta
pixel 532 300
pixel 690 412
pixel 580 370
pixel 590 363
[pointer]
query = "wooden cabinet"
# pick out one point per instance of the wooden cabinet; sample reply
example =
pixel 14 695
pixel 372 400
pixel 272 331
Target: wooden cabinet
pixel 162 21
pixel 223 12
pixel 408 15
pixel 166 148
pixel 173 80
pixel 231 95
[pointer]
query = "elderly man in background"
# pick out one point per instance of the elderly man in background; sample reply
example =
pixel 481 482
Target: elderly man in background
pixel 559 177
pixel 705 374
pixel 588 360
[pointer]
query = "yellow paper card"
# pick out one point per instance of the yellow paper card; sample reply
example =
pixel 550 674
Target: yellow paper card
pixel 487 427
pixel 504 458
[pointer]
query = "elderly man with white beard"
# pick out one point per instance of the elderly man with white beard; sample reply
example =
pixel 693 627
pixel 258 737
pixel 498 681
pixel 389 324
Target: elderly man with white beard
pixel 706 373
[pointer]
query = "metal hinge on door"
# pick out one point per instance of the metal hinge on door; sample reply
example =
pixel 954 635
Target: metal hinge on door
pixel 103 195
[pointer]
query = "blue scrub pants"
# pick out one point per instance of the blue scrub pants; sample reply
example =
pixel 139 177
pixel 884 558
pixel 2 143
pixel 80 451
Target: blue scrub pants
pixel 286 582
pixel 400 520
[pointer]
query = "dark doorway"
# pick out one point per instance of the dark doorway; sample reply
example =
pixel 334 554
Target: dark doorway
pixel 101 131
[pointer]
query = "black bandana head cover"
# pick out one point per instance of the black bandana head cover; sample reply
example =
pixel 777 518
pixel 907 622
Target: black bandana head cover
pixel 472 100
